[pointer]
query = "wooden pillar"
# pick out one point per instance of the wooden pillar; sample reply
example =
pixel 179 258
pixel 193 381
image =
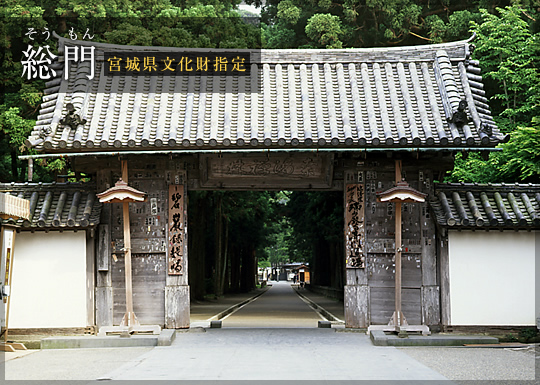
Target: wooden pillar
pixel 431 313
pixel 356 290
pixel 444 265
pixel 129 318
pixel 9 272
pixel 356 299
pixel 398 320
pixel 104 291
pixel 177 300
pixel 398 315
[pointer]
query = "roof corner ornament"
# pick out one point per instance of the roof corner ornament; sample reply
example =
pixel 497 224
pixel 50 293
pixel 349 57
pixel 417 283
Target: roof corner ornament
pixel 472 38
pixel 44 132
pixel 459 118
pixel 486 128
pixel 72 119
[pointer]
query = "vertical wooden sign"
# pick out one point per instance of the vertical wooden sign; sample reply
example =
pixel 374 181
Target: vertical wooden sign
pixel 176 229
pixel 355 238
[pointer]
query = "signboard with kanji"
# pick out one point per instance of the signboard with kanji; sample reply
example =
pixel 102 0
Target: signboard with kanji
pixel 355 237
pixel 176 230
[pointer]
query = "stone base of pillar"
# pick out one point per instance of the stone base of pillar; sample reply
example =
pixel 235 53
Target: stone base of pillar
pixel 104 306
pixel 431 311
pixel 356 300
pixel 177 307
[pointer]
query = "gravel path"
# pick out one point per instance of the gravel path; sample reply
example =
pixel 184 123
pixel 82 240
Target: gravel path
pixel 488 364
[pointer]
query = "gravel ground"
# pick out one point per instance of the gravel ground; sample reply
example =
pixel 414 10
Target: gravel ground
pixel 487 364
pixel 69 364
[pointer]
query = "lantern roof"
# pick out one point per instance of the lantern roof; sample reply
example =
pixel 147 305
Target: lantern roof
pixel 402 192
pixel 121 192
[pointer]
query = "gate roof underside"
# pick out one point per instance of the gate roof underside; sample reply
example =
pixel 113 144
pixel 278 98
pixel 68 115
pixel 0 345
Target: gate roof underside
pixel 400 97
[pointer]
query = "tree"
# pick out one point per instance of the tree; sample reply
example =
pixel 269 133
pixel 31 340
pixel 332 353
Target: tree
pixel 509 53
pixel 367 23
pixel 317 234
pixel 519 160
pixel 191 23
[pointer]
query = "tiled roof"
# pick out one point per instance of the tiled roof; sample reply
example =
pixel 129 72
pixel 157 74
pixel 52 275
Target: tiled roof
pixel 381 97
pixel 56 205
pixel 465 205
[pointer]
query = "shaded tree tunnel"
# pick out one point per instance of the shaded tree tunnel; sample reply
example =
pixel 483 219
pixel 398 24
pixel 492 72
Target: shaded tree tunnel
pixel 231 233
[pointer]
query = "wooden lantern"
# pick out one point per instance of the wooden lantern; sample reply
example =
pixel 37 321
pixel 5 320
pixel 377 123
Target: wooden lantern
pixel 401 193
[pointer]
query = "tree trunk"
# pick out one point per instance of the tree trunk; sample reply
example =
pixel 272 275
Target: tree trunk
pixel 22 175
pixel 219 249
pixel 235 268
pixel 14 172
pixel 197 248
pixel 225 252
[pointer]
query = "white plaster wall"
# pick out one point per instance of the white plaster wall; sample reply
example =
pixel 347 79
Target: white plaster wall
pixel 492 278
pixel 49 280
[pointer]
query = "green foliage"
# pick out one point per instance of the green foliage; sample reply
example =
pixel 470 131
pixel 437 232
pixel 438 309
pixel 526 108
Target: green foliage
pixel 288 12
pixel 177 23
pixel 528 334
pixel 510 55
pixel 315 217
pixel 14 126
pixel 509 338
pixel 473 168
pixel 519 160
pixel 325 29
pixel 365 23
pixel 263 264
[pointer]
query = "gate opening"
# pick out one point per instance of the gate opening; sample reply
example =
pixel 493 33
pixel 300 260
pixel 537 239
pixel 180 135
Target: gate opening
pixel 241 241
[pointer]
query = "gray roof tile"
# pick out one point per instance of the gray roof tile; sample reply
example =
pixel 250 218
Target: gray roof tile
pixel 466 205
pixel 55 206
pixel 387 97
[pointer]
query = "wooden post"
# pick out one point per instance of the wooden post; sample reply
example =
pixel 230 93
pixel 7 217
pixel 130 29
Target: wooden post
pixel 402 192
pixel 30 169
pixel 398 315
pixel 5 346
pixel 129 318
pixel 442 245
pixel 356 290
pixel 177 285
pixel 9 271
pixel 104 292
pixel 129 323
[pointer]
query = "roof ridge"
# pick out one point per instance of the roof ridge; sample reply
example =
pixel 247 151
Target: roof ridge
pixel 46 184
pixel 271 52
pixel 449 185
